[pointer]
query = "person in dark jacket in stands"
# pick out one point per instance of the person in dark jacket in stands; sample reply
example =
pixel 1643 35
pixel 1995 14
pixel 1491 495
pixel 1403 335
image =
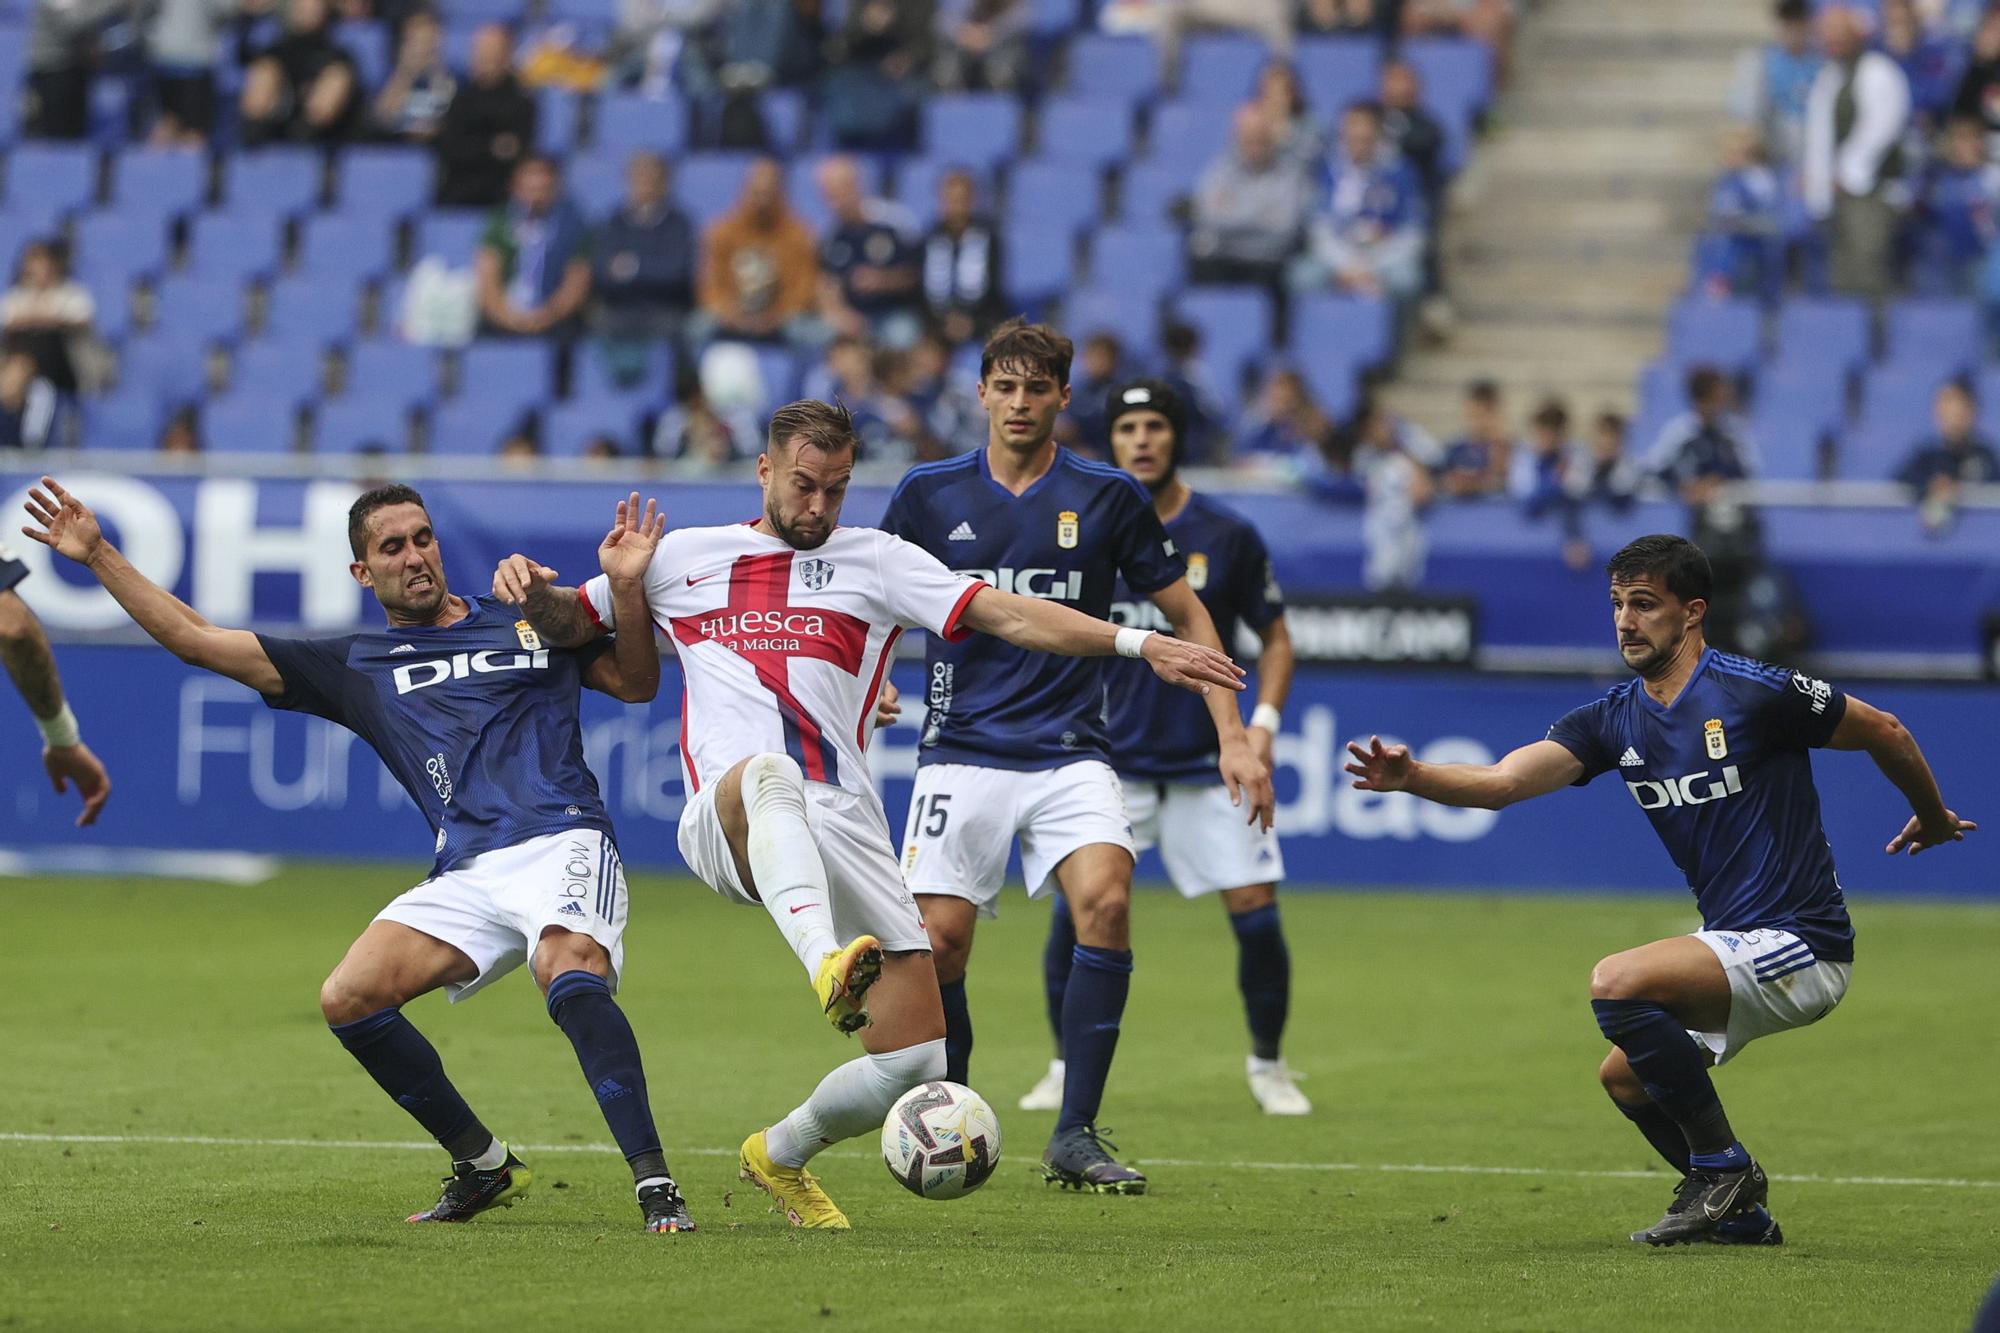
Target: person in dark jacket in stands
pixel 487 129
pixel 645 259
pixel 962 263
pixel 1954 456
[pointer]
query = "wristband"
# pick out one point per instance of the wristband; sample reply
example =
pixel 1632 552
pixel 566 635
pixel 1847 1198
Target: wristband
pixel 1266 716
pixel 1131 642
pixel 61 729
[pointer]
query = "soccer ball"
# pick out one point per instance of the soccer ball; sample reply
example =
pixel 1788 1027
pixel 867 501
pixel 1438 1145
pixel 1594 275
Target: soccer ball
pixel 941 1140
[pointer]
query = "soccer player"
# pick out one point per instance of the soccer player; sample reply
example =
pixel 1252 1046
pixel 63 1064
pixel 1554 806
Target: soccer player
pixel 785 629
pixel 24 648
pixel 1014 742
pixel 1163 746
pixel 477 719
pixel 1713 747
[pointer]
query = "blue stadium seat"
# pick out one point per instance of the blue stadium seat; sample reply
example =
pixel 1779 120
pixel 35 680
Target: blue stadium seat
pixel 392 371
pixel 127 419
pixel 1145 261
pixel 248 423
pixel 592 377
pixel 339 245
pixel 1134 320
pixel 271 369
pixel 1988 388
pixel 1235 327
pixel 785 118
pixel 1725 334
pixel 1354 331
pixel 111 242
pixel 522 373
pixel 802 188
pixel 1921 330
pixel 1875 447
pixel 1895 414
pixel 472 426
pixel 1220 68
pixel 568 427
pixel 370 45
pixel 1146 193
pixel 15 234
pixel 597 12
pixel 169 368
pixel 981 128
pixel 1831 329
pixel 1040 262
pixel 158 184
pixel 1054 18
pixel 782 370
pixel 1051 196
pixel 1800 403
pixel 53 177
pixel 451 235
pixel 203 311
pixel 595 182
pixel 1806 385
pixel 1088 131
pixel 557 112
pixel 311 308
pixel 1455 72
pixel 1789 447
pixel 1334 385
pixel 111 293
pixel 707 184
pixel 273 182
pixel 233 248
pixel 1335 72
pixel 466 14
pixel 1185 137
pixel 1107 66
pixel 350 424
pixel 381 182
pixel 626 123
pixel 917 187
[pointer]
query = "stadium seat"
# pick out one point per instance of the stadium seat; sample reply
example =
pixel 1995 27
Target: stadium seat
pixel 281 370
pixel 127 419
pixel 158 184
pixel 1354 331
pixel 568 427
pixel 1725 334
pixel 15 234
pixel 1922 331
pixel 380 182
pixel 917 187
pixel 1235 327
pixel 339 245
pixel 169 368
pixel 1184 138
pixel 627 123
pixel 352 424
pixel 1147 194
pixel 1335 386
pixel 1053 18
pixel 785 118
pixel 111 242
pixel 372 48
pixel 1798 407
pixel 1833 330
pixel 110 291
pixel 1040 263
pixel 311 308
pixel 1050 196
pixel 1988 388
pixel 1804 386
pixel 248 423
pixel 600 13
pixel 1454 72
pixel 1134 320
pixel 983 129
pixel 782 369
pixel 1106 66
pixel 1875 447
pixel 557 111
pixel 471 13
pixel 1895 414
pixel 1145 261
pixel 203 311
pixel 592 376
pixel 1087 131
pixel 449 234
pixel 470 426
pixel 522 373
pixel 392 371
pixel 233 247
pixel 1220 68
pixel 595 182
pixel 53 177
pixel 707 184
pixel 273 182
pixel 1335 72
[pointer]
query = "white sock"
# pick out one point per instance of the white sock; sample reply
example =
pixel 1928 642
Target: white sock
pixel 1262 1066
pixel 492 1159
pixel 852 1100
pixel 784 860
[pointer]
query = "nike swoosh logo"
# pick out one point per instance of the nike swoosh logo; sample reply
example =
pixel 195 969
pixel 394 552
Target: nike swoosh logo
pixel 692 580
pixel 1716 1214
pixel 803 907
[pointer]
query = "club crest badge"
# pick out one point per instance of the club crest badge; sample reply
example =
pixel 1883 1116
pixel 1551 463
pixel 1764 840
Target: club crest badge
pixel 1197 571
pixel 816 573
pixel 1066 529
pixel 1718 743
pixel 530 641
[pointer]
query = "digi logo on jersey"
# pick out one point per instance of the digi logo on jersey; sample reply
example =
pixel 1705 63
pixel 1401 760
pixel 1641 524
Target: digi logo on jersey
pixel 422 675
pixel 1686 790
pixel 1050 584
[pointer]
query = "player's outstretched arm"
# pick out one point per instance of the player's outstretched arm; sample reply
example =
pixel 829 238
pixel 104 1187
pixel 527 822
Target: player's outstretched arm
pixel 1533 770
pixel 631 670
pixel 556 613
pixel 66 526
pixel 31 664
pixel 1894 750
pixel 1050 627
pixel 1244 771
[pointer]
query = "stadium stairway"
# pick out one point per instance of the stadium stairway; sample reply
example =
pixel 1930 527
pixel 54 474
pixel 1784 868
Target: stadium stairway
pixel 1568 234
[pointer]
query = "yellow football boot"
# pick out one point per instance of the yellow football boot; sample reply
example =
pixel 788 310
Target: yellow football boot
pixel 794 1188
pixel 843 981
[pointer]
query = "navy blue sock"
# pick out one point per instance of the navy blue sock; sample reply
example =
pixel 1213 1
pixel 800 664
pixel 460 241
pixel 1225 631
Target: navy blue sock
pixel 957 1031
pixel 406 1065
pixel 1660 1131
pixel 1264 975
pixel 1753 1223
pixel 1093 1007
pixel 1057 957
pixel 580 1002
pixel 1674 1072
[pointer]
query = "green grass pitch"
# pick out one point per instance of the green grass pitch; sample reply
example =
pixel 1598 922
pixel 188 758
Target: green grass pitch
pixel 1440 1031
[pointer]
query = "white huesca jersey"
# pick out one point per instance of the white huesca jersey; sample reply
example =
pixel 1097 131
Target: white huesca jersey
pixel 782 650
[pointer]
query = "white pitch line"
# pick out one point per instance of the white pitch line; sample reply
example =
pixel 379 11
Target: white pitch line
pixel 1379 1168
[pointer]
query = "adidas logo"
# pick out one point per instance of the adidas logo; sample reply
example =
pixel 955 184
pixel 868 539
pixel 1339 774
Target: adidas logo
pixel 1630 759
pixel 569 909
pixel 403 648
pixel 963 533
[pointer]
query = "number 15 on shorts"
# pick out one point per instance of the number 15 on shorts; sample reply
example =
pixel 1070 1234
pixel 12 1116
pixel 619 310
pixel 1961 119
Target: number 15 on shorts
pixel 930 814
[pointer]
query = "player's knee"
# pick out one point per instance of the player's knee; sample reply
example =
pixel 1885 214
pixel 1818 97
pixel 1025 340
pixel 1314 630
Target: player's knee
pixel 347 999
pixel 1103 920
pixel 951 949
pixel 773 783
pixel 1618 1079
pixel 1615 979
pixel 560 951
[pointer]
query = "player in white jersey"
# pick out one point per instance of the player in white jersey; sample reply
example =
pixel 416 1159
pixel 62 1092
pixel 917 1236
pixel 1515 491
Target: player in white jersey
pixel 785 629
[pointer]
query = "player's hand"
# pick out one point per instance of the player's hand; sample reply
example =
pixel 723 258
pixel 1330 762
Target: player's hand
pixel 1190 665
pixel 888 705
pixel 628 548
pixel 1380 767
pixel 67 526
pixel 1248 779
pixel 518 578
pixel 75 763
pixel 1917 835
pixel 1264 746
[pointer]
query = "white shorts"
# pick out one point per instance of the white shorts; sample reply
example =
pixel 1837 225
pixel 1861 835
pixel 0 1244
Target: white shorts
pixel 852 835
pixel 964 817
pixel 494 908
pixel 1775 984
pixel 1207 844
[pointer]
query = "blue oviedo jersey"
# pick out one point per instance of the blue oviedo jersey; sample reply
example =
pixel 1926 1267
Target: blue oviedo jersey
pixel 1724 775
pixel 1068 537
pixel 477 721
pixel 1160 732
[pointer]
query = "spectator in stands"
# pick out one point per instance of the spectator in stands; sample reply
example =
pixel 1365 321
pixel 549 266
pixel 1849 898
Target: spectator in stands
pixel 1346 18
pixel 1397 490
pixel 1488 21
pixel 645 262
pixel 1299 137
pixel 26 404
pixel 1740 252
pixel 1167 22
pixel 1543 471
pixel 62 59
pixel 181 434
pixel 759 269
pixel 1187 371
pixel 303 87
pixel 876 76
pixel 601 448
pixel 1956 456
pixel 1772 83
pixel 1708 445
pixel 1283 423
pixel 413 101
pixel 657 45
pixel 699 429
pixel 1931 62
pixel 519 452
pixel 950 420
pixel 184 44
pixel 45 315
pixel 1856 114
pixel 1250 209
pixel 1415 135
pixel 487 128
pixel 1479 461
pixel 1609 479
pixel 871 283
pixel 533 265
pixel 1979 87
pixel 1954 220
pixel 962 263
pixel 1085 425
pixel 1371 238
pixel 981 44
pixel 769 43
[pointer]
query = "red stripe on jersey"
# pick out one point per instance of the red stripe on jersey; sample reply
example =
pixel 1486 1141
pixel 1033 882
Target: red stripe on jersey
pixel 589 610
pixel 875 686
pixel 953 631
pixel 687 760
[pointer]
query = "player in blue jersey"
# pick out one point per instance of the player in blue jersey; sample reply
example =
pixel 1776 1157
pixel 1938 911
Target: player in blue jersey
pixel 1713 747
pixel 1014 742
pixel 477 719
pixel 1164 747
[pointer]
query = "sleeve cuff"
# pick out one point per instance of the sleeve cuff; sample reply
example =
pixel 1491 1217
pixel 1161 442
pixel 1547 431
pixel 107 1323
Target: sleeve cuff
pixel 953 631
pixel 583 595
